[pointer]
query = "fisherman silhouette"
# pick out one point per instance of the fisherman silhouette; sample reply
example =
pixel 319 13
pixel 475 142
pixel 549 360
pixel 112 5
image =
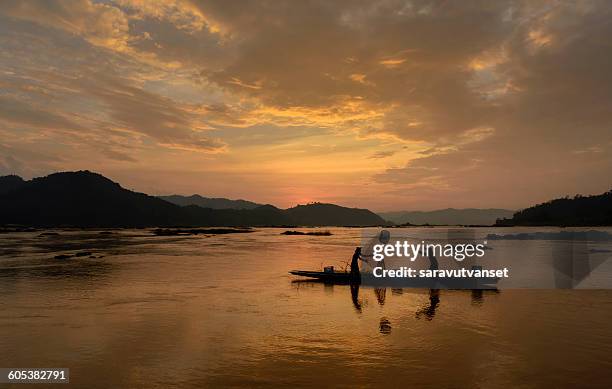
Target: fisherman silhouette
pixel 355 274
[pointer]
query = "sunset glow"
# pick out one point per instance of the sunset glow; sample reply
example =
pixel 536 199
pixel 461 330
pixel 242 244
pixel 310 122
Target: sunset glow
pixel 387 105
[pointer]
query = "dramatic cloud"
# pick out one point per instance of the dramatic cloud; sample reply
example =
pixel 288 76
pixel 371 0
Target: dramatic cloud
pixel 387 104
pixel 100 24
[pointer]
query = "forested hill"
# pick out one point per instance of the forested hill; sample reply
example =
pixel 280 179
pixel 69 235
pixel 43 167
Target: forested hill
pixel 86 199
pixel 210 202
pixel 449 216
pixel 578 211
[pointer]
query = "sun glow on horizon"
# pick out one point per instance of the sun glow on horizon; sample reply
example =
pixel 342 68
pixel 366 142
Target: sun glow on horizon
pixel 383 107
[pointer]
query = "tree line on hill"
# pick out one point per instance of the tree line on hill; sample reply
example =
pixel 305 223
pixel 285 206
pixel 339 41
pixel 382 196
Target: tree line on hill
pixel 577 211
pixel 86 199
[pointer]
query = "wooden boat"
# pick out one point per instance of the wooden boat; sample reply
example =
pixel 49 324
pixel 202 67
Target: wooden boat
pixel 332 277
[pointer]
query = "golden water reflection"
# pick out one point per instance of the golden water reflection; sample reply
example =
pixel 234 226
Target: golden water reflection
pixel 222 311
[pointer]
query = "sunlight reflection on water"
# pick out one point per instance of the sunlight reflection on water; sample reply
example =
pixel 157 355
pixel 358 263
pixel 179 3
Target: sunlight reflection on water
pixel 222 311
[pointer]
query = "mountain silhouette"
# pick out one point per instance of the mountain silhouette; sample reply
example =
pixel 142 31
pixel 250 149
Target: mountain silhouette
pixel 82 199
pixel 86 199
pixel 9 183
pixel 449 216
pixel 209 202
pixel 578 211
pixel 317 214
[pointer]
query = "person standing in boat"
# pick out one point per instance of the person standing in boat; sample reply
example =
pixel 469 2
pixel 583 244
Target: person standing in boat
pixel 355 274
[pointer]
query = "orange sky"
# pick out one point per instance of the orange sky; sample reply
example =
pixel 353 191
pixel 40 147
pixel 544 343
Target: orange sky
pixel 387 105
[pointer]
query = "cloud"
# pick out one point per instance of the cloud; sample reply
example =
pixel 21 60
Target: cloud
pixel 139 111
pixel 57 84
pixel 101 24
pixel 382 154
pixel 392 63
pixel 401 65
pixel 18 112
pixel 26 161
pixel 474 96
pixel 180 13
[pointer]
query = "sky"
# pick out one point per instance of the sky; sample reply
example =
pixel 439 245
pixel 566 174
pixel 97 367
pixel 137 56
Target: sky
pixel 386 105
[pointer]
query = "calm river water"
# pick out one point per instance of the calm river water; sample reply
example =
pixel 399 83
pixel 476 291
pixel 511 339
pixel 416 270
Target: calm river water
pixel 222 311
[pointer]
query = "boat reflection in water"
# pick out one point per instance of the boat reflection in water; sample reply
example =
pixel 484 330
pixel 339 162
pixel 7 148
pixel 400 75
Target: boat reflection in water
pixel 368 276
pixel 426 311
pixel 357 279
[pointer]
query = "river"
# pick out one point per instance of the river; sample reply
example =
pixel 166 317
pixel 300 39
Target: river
pixel 138 310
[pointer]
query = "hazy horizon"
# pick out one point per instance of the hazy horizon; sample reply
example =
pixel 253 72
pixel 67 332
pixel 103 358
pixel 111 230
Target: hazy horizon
pixel 378 211
pixel 387 105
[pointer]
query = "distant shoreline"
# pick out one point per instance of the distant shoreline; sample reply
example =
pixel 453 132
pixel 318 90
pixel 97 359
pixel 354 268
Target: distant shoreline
pixel 203 229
